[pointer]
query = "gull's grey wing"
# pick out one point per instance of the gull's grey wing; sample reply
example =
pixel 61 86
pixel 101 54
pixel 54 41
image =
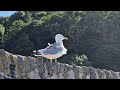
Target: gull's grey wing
pixel 52 49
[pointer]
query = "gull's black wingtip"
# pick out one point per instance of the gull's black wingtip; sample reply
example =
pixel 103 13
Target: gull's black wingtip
pixel 33 55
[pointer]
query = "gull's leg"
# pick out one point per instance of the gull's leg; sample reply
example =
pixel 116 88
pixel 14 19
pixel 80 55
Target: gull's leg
pixel 50 60
pixel 56 60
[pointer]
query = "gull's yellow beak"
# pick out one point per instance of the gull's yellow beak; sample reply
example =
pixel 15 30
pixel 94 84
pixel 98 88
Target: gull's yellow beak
pixel 66 38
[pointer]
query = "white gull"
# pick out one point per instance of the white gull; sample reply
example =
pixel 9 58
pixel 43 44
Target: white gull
pixel 53 51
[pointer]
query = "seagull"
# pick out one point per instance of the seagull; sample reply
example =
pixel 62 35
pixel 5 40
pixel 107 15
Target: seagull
pixel 53 51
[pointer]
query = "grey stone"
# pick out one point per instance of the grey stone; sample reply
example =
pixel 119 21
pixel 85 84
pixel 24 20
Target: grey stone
pixel 86 72
pixel 101 74
pixel 4 76
pixel 108 74
pixel 22 67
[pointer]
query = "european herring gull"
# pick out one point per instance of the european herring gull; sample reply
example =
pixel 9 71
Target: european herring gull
pixel 53 51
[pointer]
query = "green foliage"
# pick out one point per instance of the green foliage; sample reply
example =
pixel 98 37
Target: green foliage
pixel 28 17
pixel 111 54
pixel 80 60
pixel 2 20
pixel 16 26
pixel 2 31
pixel 22 45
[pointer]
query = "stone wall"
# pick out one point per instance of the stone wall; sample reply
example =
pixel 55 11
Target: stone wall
pixel 22 67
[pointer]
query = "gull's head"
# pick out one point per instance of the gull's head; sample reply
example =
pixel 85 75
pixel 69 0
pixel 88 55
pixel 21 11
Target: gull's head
pixel 59 38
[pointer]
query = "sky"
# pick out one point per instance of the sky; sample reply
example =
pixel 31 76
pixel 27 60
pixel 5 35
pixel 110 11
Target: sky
pixel 6 13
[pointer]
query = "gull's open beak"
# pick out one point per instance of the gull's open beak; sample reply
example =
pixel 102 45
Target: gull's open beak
pixel 66 38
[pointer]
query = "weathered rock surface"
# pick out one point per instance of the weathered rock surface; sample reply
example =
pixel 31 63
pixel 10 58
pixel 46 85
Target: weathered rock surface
pixel 3 76
pixel 22 67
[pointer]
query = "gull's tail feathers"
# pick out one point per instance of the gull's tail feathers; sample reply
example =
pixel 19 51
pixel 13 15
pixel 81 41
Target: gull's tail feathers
pixel 37 53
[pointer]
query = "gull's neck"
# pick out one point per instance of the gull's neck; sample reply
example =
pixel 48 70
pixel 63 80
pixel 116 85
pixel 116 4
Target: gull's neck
pixel 59 41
